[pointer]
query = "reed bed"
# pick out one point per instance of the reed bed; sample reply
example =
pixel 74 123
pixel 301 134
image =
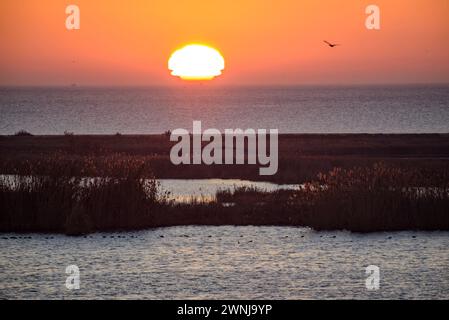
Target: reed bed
pixel 119 192
pixel 49 197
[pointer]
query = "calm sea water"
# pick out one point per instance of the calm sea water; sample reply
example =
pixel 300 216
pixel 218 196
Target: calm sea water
pixel 395 109
pixel 226 262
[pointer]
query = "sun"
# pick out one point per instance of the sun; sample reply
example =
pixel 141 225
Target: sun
pixel 196 62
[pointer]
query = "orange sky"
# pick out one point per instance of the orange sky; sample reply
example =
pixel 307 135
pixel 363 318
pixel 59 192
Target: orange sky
pixel 263 42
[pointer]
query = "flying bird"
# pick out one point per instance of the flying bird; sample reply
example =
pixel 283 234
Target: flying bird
pixel 331 44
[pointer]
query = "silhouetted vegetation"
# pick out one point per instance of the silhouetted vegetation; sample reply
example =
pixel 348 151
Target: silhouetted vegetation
pixel 377 198
pixel 119 192
pixel 23 133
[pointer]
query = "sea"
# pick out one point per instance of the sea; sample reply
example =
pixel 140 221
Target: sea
pixel 154 110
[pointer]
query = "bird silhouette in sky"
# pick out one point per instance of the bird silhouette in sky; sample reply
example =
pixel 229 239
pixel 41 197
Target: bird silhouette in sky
pixel 331 44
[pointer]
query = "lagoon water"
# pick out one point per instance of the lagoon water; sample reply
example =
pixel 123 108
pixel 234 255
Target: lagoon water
pixel 185 190
pixel 226 262
pixel 305 109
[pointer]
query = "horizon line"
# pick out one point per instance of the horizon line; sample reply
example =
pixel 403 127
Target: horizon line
pixel 206 85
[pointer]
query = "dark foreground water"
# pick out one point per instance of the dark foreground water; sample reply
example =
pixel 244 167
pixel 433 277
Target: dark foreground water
pixel 226 262
pixel 306 109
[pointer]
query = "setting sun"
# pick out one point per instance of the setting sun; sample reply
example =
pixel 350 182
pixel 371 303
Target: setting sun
pixel 196 62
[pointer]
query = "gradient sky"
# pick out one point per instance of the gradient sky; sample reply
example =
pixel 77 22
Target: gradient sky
pixel 263 42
